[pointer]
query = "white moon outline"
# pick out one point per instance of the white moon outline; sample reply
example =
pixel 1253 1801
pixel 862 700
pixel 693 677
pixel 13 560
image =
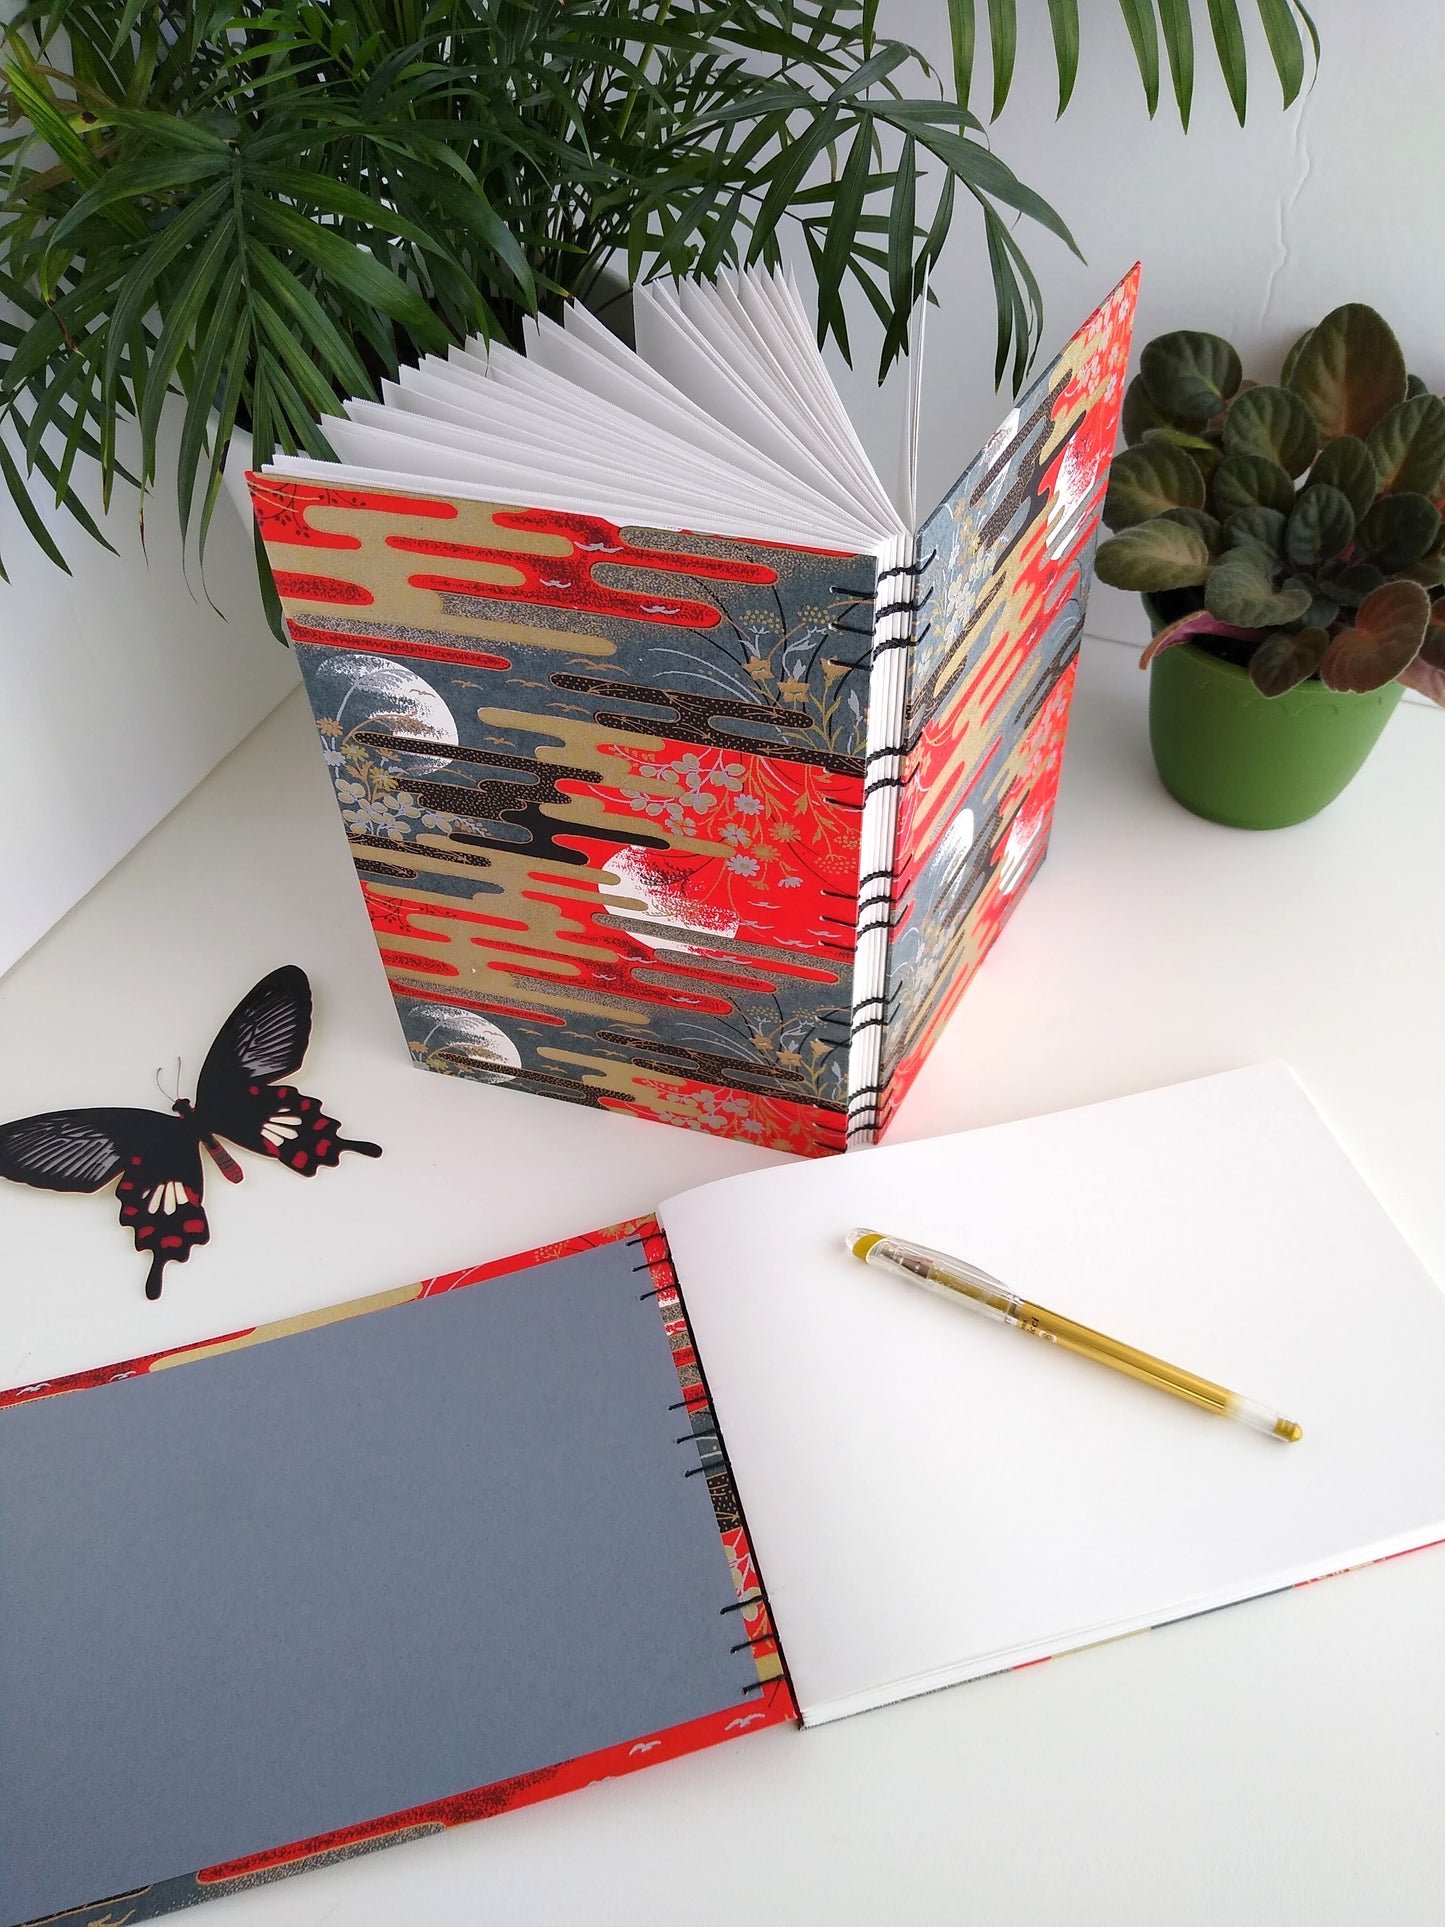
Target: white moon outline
pixel 468 1031
pixel 373 691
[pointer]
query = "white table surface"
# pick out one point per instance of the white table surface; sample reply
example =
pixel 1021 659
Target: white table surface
pixel 1282 1762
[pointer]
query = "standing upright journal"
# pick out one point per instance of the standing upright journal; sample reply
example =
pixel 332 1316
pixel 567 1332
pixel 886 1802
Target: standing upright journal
pixel 685 774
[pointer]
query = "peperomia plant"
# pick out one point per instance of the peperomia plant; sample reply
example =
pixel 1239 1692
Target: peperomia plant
pixel 1295 528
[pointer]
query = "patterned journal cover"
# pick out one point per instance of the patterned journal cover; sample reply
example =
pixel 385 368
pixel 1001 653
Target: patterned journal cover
pixel 1005 565
pixel 604 786
pixel 253 1614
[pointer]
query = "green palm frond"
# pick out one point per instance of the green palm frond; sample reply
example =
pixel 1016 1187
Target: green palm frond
pixel 263 209
pixel 1288 29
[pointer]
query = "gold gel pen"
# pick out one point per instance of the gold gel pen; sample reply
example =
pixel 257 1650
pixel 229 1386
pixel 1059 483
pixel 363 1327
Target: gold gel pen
pixel 965 1284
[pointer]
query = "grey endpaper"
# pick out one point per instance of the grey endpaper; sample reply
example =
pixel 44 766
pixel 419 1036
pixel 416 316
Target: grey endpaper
pixel 258 1597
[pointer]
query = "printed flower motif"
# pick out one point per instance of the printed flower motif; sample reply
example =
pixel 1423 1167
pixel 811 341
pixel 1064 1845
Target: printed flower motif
pixel 743 866
pixel 834 671
pixel 328 726
pixel 763 850
pixel 747 805
pixel 759 1042
pixel 793 690
pixel 758 669
pixel 349 791
pixel 790 883
pixel 785 832
pixel 789 1060
pixel 763 621
pixel 735 833
pixel 386 823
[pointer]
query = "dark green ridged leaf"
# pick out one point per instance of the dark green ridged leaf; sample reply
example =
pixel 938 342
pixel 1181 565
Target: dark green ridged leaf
pixel 1148 479
pixel 1190 375
pixel 1285 658
pixel 1407 444
pixel 1240 590
pixel 1274 423
pixel 1264 527
pixel 1399 530
pixel 1349 371
pixel 1347 464
pixel 1321 524
pixel 1154 555
pixel 1250 481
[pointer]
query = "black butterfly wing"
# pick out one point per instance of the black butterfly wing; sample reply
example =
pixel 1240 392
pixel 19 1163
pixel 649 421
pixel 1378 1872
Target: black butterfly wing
pixel 157 1159
pixel 281 1122
pixel 264 1038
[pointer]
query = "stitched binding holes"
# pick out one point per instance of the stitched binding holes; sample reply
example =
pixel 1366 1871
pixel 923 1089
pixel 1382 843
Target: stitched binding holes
pixel 908 589
pixel 758 1638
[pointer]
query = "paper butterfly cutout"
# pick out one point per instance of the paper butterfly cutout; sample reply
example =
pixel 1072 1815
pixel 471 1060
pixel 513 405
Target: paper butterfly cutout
pixel 158 1158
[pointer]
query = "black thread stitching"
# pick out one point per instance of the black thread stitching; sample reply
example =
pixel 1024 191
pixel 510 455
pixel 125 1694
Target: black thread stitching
pixel 710 1446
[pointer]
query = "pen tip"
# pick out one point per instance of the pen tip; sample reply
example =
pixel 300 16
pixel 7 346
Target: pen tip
pixel 1285 1428
pixel 860 1243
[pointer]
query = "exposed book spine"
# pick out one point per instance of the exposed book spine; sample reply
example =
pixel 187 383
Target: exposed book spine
pixel 756 1634
pixel 898 597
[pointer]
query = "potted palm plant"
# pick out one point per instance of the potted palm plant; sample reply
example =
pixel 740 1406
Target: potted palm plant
pixel 1287 541
pixel 265 209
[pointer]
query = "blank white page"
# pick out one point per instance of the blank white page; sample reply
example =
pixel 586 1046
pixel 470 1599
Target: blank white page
pixel 933 1496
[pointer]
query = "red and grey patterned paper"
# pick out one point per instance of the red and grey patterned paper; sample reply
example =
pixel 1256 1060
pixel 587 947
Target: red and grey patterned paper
pixel 1006 564
pixel 603 789
pixel 604 786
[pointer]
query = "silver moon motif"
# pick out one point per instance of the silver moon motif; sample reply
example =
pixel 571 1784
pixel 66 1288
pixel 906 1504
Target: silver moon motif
pixel 465 1042
pixel 371 692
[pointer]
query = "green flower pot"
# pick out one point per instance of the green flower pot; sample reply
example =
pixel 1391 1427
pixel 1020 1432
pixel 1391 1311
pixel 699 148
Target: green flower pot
pixel 1255 762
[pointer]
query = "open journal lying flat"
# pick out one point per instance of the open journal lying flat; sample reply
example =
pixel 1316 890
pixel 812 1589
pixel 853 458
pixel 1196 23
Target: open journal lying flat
pixel 685 772
pixel 319 1587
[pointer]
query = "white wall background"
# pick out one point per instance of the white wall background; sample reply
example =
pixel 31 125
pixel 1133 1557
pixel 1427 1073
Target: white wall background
pixel 1252 232
pixel 125 688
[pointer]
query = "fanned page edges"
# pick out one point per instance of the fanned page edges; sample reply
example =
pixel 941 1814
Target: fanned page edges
pixel 668 823
pixel 764 1697
pixel 1005 563
pixel 609 783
